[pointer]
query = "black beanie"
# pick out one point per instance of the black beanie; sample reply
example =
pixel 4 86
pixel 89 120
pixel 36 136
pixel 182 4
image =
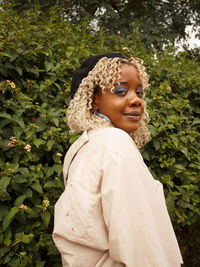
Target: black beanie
pixel 86 67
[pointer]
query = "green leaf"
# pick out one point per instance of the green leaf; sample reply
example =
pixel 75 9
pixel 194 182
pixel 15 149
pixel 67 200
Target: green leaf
pixel 40 264
pixel 38 142
pixel 170 204
pixel 6 55
pixel 196 121
pixel 21 237
pixel 3 251
pixel 175 140
pixel 14 262
pixel 156 144
pixel 9 217
pixel 56 121
pixel 50 184
pixel 184 150
pixel 58 168
pixel 26 239
pixel 3 211
pixel 69 51
pixel 22 253
pixel 7 242
pixel 28 192
pixel 20 123
pixel 48 65
pixel 19 179
pixel 49 171
pixel 179 167
pixel 31 212
pixel 153 130
pixel 7 237
pixel 24 171
pixel 50 144
pixel 18 236
pixel 145 155
pixel 4 182
pixel 46 217
pixel 19 200
pixel 19 70
pixel 5 115
pixel 37 187
pixel 58 86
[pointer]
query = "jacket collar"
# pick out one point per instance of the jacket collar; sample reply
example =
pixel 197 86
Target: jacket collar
pixel 73 150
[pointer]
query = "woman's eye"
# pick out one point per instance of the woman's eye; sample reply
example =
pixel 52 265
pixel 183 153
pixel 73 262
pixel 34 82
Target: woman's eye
pixel 121 91
pixel 140 93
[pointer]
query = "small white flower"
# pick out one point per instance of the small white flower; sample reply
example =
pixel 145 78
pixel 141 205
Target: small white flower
pixel 125 49
pixel 27 147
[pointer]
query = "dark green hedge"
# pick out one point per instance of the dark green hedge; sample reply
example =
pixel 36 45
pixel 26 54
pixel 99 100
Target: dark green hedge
pixel 37 58
pixel 173 155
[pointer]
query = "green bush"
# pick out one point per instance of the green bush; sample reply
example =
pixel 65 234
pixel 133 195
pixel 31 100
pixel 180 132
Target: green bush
pixel 173 156
pixel 37 58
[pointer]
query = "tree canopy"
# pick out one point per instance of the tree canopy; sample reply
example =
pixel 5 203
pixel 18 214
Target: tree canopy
pixel 160 22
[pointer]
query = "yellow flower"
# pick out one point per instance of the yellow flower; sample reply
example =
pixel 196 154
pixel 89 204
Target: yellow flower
pixel 27 147
pixel 46 203
pixel 11 170
pixel 23 207
pixel 12 85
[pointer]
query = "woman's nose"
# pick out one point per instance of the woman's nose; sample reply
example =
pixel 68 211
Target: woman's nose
pixel 134 100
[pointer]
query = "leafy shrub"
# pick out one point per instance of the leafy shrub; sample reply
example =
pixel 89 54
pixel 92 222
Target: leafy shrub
pixel 37 58
pixel 173 155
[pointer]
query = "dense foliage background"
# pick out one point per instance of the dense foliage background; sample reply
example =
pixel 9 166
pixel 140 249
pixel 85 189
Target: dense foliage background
pixel 38 55
pixel 160 22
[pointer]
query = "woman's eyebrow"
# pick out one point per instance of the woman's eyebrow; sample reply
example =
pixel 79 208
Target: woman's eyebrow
pixel 139 85
pixel 123 82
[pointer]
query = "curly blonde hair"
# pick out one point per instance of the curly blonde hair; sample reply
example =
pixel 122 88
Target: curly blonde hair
pixel 105 74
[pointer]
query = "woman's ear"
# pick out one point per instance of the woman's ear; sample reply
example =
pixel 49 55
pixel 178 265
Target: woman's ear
pixel 95 105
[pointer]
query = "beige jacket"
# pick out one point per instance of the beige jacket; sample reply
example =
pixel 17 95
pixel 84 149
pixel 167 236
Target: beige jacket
pixel 112 212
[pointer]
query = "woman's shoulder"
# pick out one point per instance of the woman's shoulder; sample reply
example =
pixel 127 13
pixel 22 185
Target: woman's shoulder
pixel 107 132
pixel 111 137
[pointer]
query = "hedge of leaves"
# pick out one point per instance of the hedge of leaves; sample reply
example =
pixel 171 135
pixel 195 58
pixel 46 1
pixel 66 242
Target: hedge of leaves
pixel 36 61
pixel 174 153
pixel 37 58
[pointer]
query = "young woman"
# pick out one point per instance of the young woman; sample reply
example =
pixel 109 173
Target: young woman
pixel 112 212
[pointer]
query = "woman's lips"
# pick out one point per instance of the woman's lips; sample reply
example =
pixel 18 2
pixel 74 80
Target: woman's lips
pixel 135 115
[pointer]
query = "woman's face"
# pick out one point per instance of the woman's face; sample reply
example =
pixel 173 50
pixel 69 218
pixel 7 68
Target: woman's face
pixel 124 106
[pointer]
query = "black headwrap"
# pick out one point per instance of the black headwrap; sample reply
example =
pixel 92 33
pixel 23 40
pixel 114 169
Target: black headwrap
pixel 87 66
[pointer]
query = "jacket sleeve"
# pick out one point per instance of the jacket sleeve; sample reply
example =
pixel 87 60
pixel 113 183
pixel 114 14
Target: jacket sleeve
pixel 139 229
